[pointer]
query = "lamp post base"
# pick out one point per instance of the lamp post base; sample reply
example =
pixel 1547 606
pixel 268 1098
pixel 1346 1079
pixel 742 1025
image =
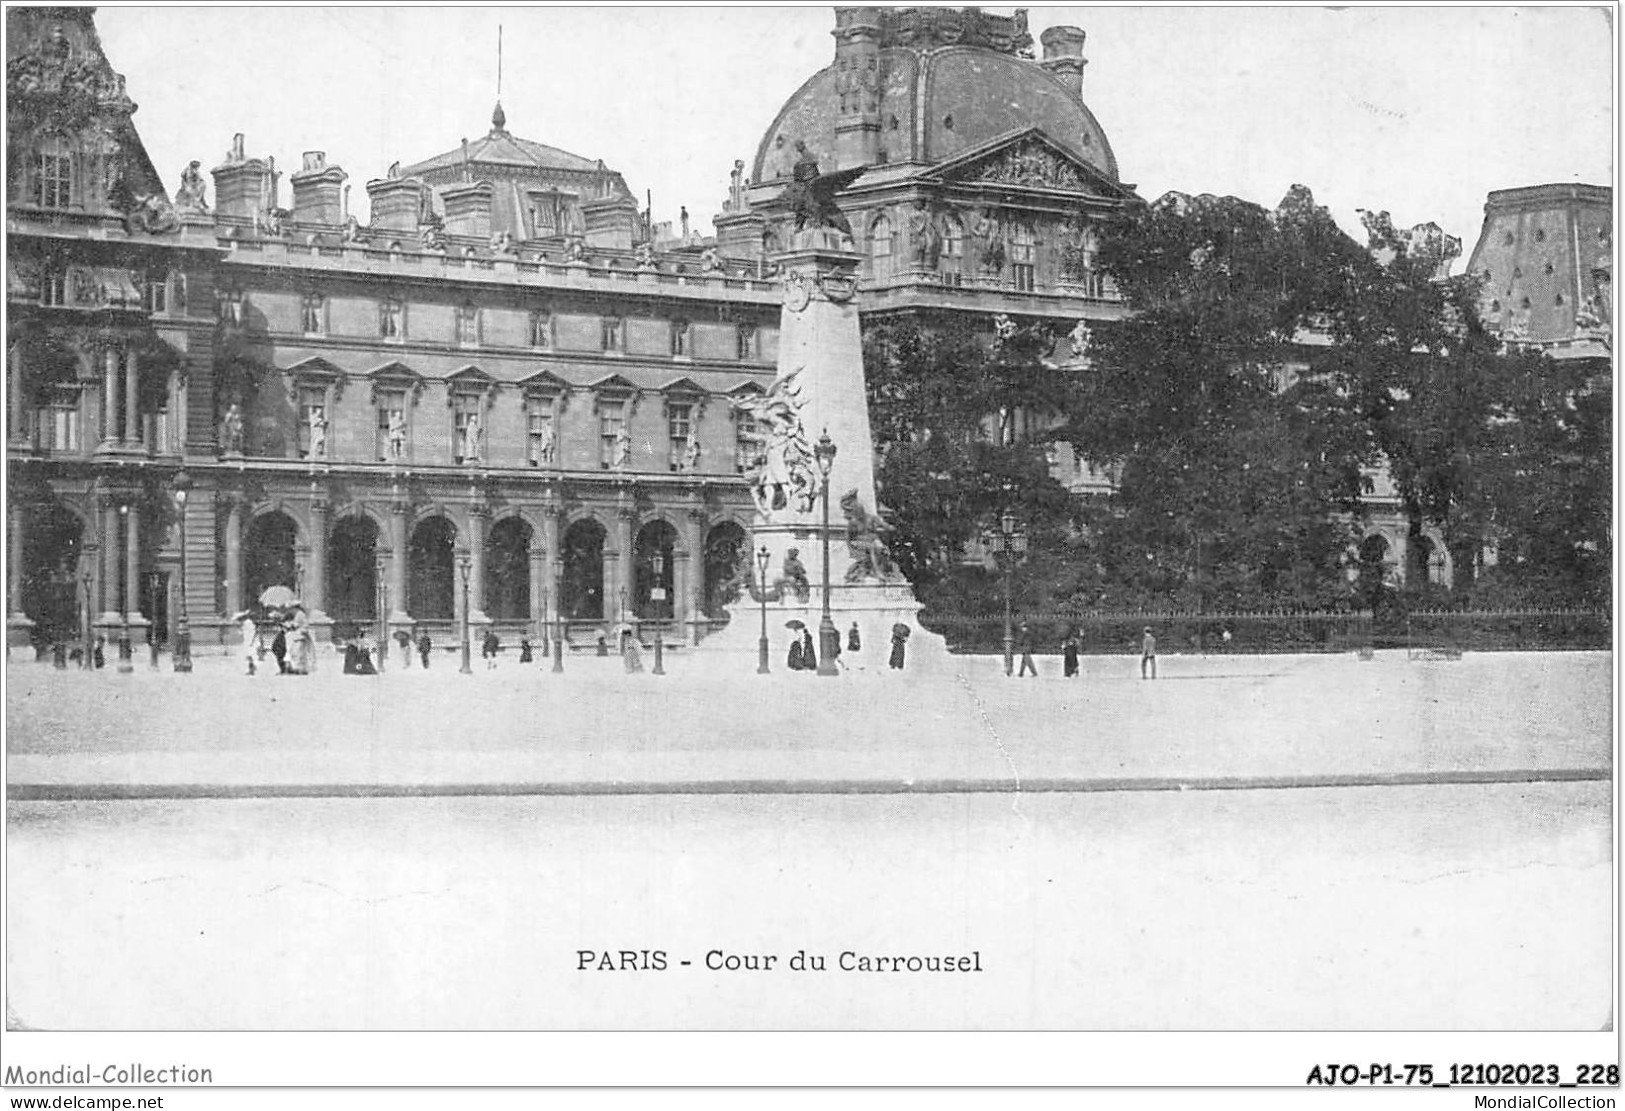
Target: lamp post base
pixel 761 657
pixel 829 645
pixel 183 652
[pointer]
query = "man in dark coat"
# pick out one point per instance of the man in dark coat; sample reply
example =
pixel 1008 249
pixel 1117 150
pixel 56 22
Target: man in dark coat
pixel 854 642
pixel 279 649
pixel 899 654
pixel 524 650
pixel 424 645
pixel 489 648
pixel 1024 643
pixel 1069 655
pixel 351 655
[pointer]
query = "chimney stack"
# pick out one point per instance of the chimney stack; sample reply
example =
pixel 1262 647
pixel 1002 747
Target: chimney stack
pixel 1063 56
pixel 318 191
pixel 468 208
pixel 244 187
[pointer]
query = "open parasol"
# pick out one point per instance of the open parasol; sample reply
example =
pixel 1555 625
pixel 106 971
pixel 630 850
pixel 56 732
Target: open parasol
pixel 279 596
pixel 795 625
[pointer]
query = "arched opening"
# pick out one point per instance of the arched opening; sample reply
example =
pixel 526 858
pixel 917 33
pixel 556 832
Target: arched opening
pixel 726 553
pixel 352 575
pixel 431 586
pixel 53 595
pixel 652 582
pixel 581 594
pixel 880 249
pixel 268 555
pixel 507 571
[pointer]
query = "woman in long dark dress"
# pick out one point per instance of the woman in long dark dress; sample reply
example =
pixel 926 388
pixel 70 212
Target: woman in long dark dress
pixel 809 652
pixel 1069 655
pixel 793 661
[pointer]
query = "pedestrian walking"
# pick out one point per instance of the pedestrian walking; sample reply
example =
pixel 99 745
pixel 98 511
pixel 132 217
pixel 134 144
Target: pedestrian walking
pixel 99 656
pixel 793 659
pixel 251 636
pixel 809 653
pixel 279 649
pixel 854 642
pixel 489 648
pixel 524 650
pixel 424 645
pixel 1024 641
pixel 1148 654
pixel 1069 655
pixel 631 655
pixel 899 653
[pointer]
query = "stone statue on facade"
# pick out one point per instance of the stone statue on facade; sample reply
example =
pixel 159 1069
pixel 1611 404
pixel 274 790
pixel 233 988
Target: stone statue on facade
pixel 471 438
pixel 231 430
pixel 318 433
pixel 710 261
pixel 690 460
pixel 644 253
pixel 191 196
pixel 984 231
pixel 1080 337
pixel 397 435
pixel 623 449
pixel 546 445
pixel 736 189
pixel 922 230
pixel 575 251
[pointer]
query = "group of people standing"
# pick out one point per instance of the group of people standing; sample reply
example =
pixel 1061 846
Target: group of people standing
pixel 292 645
pixel 803 654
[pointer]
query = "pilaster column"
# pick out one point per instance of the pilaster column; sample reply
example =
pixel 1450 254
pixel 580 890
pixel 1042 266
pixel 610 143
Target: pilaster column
pixel 132 565
pixel 538 591
pixel 553 561
pixel 112 551
pixel 625 514
pixel 132 397
pixel 110 427
pixel 316 573
pixel 398 510
pixel 479 516
pixel 234 555
pixel 17 622
pixel 178 418
pixel 16 415
pixel 690 583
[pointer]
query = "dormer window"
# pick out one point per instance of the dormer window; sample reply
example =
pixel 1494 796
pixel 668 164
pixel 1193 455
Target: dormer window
pixel 53 174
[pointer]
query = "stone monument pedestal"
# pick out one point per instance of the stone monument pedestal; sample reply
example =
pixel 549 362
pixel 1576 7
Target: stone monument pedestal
pixel 820 389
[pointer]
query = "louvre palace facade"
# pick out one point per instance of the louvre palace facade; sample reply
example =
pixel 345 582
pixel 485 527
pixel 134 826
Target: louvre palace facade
pixel 220 382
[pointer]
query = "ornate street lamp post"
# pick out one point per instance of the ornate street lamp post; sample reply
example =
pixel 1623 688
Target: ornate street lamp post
pixel 383 613
pixel 558 621
pixel 762 558
pixel 153 579
pixel 828 639
pixel 465 567
pixel 89 660
pixel 1008 544
pixel 124 664
pixel 183 628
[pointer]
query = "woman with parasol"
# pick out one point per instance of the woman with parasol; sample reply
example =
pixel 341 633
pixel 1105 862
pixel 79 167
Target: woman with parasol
pixel 796 661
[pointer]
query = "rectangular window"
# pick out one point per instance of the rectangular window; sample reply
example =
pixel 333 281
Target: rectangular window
pixel 747 441
pixel 62 420
pixel 53 178
pixel 468 326
pixel 679 431
pixel 541 330
pixel 466 438
pixel 53 288
pixel 679 337
pixel 312 414
pixel 391 425
pixel 158 293
pixel 1023 258
pixel 611 432
pixel 543 448
pixel 312 314
pixel 611 333
pixel 391 320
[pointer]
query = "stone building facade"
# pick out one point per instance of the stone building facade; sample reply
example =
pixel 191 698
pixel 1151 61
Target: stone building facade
pixel 496 371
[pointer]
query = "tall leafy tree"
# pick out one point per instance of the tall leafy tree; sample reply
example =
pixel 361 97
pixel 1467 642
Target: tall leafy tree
pixel 1234 463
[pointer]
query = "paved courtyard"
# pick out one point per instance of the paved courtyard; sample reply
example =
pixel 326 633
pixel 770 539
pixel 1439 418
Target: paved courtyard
pixel 1246 843
pixel 711 720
